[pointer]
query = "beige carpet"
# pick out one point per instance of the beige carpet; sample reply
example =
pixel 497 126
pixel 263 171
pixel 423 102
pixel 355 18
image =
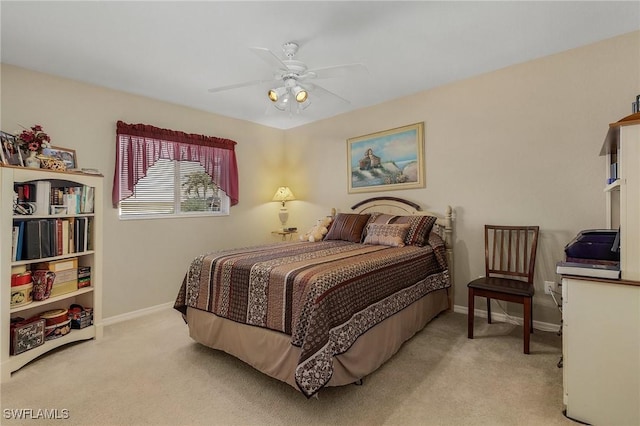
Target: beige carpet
pixel 148 371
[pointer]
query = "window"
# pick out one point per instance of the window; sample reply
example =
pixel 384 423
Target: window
pixel 174 188
pixel 163 173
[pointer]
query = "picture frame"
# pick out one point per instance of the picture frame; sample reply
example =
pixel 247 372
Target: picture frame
pixel 389 160
pixel 11 153
pixel 68 156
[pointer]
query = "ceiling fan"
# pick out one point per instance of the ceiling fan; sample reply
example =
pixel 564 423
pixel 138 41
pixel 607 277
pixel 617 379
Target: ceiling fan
pixel 290 82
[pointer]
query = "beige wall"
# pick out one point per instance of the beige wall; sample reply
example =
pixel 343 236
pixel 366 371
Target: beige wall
pixel 515 146
pixel 145 260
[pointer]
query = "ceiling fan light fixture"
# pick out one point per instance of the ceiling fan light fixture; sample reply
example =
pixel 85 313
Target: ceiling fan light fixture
pixel 290 90
pixel 283 102
pixel 300 94
pixel 275 94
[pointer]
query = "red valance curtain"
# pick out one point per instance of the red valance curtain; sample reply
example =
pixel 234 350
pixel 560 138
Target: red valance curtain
pixel 139 146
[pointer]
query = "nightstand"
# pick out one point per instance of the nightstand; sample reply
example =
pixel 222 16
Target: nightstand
pixel 284 234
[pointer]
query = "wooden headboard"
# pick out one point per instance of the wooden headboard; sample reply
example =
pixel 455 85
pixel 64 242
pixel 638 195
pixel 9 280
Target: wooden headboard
pixel 400 206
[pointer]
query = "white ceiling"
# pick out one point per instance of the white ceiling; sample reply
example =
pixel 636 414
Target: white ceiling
pixel 175 50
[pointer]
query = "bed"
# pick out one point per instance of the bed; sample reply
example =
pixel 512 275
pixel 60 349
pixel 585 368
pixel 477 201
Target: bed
pixel 327 313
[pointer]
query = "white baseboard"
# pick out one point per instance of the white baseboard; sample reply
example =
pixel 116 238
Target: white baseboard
pixel 136 314
pixel 498 316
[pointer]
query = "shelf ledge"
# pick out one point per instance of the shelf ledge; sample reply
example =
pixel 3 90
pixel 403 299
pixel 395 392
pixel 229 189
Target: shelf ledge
pixel 53 299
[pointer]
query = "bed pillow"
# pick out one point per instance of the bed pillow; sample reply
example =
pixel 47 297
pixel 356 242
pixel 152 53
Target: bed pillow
pixel 419 228
pixel 348 227
pixel 386 234
pixel 377 217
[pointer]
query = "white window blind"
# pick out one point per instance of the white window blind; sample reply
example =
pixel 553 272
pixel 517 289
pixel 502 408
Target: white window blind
pixel 175 189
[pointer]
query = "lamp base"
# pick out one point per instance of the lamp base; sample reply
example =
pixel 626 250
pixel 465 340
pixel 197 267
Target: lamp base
pixel 283 214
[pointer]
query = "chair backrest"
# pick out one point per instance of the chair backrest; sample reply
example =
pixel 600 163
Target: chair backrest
pixel 510 251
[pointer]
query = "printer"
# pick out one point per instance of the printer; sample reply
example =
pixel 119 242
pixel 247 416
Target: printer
pixel 594 246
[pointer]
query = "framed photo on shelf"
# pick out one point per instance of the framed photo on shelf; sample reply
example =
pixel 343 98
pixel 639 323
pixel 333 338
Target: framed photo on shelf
pixel 388 160
pixel 68 156
pixel 11 153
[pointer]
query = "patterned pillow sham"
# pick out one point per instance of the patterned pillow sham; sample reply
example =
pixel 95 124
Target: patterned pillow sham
pixel 419 229
pixel 386 234
pixel 377 217
pixel 419 226
pixel 348 227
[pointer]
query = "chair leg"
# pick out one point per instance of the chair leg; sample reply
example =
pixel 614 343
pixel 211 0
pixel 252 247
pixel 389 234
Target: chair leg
pixel 527 324
pixel 470 313
pixel 531 316
pixel 489 310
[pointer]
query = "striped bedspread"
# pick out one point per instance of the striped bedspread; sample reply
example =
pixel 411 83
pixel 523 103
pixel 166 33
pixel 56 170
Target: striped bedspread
pixel 324 294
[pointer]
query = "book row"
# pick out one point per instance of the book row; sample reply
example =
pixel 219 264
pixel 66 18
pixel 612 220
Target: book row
pixel 42 238
pixel 43 198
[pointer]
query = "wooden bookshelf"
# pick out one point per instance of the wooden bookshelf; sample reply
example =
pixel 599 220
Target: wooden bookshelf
pixel 90 296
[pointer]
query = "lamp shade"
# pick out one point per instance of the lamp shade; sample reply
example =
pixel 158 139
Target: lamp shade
pixel 283 194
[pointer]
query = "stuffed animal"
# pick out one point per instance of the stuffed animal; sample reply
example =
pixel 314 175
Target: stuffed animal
pixel 318 231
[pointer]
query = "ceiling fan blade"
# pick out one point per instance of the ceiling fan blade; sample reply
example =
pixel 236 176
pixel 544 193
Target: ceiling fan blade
pixel 315 88
pixel 238 85
pixel 337 71
pixel 269 57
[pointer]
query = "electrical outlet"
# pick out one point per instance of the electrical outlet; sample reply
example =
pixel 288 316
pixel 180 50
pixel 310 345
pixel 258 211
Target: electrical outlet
pixel 549 287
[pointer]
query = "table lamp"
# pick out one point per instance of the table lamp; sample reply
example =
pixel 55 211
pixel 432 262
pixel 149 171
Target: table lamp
pixel 283 194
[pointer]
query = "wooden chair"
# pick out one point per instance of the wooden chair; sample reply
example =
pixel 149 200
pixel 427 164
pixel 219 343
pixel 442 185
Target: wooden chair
pixel 510 257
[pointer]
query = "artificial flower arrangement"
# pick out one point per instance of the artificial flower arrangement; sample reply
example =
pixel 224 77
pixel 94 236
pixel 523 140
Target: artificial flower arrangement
pixel 34 139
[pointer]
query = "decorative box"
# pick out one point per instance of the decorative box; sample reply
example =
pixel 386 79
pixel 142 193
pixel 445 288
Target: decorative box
pixel 26 334
pixel 21 278
pixel 55 316
pixel 84 271
pixel 18 269
pixel 80 317
pixel 59 265
pixel 21 294
pixel 63 288
pixel 65 275
pixel 84 276
pixel 53 164
pixel 57 323
pixel 57 330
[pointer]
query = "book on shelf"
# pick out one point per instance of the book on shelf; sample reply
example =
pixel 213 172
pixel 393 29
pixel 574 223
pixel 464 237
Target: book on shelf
pixel 86 199
pixel 14 242
pixel 72 236
pixel 594 270
pixel 20 241
pixel 45 238
pixel 26 192
pixel 43 197
pixel 32 237
pixel 65 236
pixel 80 234
pixel 58 236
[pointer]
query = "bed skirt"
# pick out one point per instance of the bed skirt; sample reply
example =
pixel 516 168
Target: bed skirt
pixel 271 352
